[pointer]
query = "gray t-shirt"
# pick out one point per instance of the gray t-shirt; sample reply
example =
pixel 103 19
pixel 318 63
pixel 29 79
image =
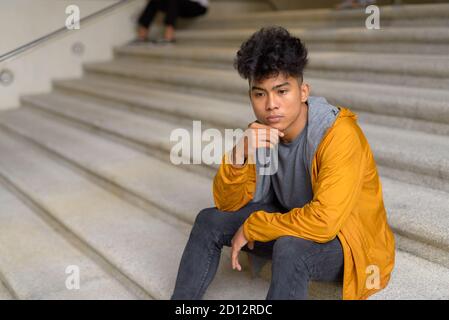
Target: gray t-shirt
pixel 291 183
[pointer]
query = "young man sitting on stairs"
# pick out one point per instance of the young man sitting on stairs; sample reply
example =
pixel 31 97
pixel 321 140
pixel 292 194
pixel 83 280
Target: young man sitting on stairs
pixel 320 214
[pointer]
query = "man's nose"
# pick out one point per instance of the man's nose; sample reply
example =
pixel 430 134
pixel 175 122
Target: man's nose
pixel 272 103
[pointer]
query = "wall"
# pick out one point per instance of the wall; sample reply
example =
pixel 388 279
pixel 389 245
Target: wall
pixel 24 20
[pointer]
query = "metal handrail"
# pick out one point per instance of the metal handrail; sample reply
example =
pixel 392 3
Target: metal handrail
pixel 61 30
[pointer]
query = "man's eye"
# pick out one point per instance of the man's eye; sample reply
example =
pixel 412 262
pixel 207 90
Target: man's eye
pixel 283 91
pixel 259 94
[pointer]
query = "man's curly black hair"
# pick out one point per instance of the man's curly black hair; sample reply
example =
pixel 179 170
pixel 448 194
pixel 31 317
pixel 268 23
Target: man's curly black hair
pixel 270 51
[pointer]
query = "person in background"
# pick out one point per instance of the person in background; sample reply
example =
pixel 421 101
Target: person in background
pixel 173 9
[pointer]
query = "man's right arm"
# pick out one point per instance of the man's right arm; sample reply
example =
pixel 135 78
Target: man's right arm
pixel 235 182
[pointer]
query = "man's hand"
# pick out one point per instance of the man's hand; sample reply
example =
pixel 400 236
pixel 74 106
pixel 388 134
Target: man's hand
pixel 238 241
pixel 256 136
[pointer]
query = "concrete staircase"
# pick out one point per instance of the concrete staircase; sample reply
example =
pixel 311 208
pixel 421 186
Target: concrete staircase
pixel 85 176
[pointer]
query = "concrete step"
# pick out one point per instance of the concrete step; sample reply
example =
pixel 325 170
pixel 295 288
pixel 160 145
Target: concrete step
pixel 406 102
pixel 34 266
pixel 145 248
pixel 143 131
pixel 423 163
pixel 5 293
pixel 390 16
pixel 124 167
pixel 428 71
pixel 422 223
pixel 413 277
pixel 415 40
pixel 148 98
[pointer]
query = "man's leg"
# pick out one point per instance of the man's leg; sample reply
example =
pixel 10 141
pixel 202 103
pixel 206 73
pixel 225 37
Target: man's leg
pixel 182 8
pixel 148 14
pixel 296 261
pixel 191 9
pixel 172 11
pixel 211 231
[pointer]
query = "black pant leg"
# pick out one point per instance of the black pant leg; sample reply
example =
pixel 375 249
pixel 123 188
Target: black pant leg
pixel 148 14
pixel 190 9
pixel 182 8
pixel 172 10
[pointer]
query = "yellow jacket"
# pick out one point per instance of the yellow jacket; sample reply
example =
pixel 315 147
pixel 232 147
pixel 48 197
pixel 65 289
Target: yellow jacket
pixel 347 202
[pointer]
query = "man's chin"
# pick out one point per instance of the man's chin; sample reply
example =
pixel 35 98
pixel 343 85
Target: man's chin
pixel 277 126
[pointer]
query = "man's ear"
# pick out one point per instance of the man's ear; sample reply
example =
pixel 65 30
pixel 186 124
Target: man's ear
pixel 305 91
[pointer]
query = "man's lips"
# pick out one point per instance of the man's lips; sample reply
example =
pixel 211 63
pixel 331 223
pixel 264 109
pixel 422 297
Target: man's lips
pixel 274 118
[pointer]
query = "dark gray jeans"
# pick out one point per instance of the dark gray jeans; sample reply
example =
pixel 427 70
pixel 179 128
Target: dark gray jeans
pixel 295 261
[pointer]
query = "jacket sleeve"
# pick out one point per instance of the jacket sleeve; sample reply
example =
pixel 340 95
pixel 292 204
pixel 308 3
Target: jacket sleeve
pixel 340 164
pixel 233 187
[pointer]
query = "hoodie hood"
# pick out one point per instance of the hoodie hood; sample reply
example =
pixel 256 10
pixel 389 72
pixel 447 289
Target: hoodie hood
pixel 321 116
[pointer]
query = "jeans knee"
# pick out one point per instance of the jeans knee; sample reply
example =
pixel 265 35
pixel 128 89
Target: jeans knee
pixel 208 218
pixel 289 248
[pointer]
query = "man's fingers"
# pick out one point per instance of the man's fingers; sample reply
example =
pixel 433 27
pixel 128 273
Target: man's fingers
pixel 254 123
pixel 259 126
pixel 235 260
pixel 237 265
pixel 261 138
pixel 251 245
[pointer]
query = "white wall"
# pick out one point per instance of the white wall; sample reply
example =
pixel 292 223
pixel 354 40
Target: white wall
pixel 22 21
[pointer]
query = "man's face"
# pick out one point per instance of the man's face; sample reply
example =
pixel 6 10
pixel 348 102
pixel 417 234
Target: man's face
pixel 277 101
